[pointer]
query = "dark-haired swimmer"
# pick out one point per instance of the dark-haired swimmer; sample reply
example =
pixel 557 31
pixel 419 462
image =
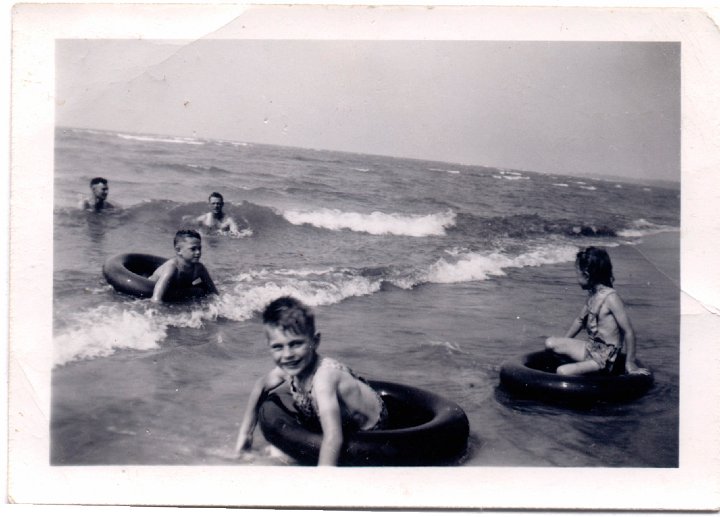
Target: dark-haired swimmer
pixel 98 196
pixel 184 270
pixel 216 219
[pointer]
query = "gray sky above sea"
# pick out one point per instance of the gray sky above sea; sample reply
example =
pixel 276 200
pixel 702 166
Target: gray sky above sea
pixel 609 109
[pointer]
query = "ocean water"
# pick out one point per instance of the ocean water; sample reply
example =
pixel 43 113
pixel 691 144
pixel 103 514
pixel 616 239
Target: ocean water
pixel 424 273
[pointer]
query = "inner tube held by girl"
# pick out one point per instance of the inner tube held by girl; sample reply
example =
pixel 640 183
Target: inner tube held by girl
pixel 128 273
pixel 533 376
pixel 422 429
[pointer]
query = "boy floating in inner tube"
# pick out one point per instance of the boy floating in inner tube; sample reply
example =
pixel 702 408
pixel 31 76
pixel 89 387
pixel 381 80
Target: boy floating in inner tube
pixel 323 389
pixel 183 272
pixel 604 317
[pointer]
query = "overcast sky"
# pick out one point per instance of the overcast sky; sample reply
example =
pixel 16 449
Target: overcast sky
pixel 581 108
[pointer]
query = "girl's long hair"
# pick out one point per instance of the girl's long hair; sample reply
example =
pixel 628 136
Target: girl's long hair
pixel 595 263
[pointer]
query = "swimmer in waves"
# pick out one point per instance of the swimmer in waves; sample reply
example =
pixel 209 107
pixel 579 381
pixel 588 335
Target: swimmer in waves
pixel 219 221
pixel 183 272
pixel 97 202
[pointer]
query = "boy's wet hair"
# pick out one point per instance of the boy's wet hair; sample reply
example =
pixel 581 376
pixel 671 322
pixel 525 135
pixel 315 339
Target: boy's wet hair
pixel 290 314
pixel 595 262
pixel 185 234
pixel 216 194
pixel 97 180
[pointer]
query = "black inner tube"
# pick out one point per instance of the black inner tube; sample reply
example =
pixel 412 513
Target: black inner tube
pixel 128 273
pixel 533 376
pixel 422 429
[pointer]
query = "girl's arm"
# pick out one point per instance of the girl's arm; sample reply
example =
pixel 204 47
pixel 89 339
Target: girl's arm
pixel 616 306
pixel 263 385
pixel 326 393
pixel 577 324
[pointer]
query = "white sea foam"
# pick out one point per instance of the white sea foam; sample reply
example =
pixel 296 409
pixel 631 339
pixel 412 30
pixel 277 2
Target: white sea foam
pixel 172 140
pixel 561 185
pixel 511 176
pixel 450 346
pixel 456 250
pixel 110 329
pixel 588 187
pixel 641 227
pixel 481 266
pixel 245 301
pixel 375 223
pixel 133 326
pixel 265 274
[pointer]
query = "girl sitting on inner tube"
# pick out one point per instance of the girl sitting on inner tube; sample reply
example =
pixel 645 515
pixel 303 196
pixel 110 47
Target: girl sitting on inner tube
pixel 604 317
pixel 323 389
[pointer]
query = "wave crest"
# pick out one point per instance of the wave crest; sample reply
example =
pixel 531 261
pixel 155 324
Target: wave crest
pixel 480 266
pixel 167 140
pixel 112 329
pixel 375 223
pixel 642 227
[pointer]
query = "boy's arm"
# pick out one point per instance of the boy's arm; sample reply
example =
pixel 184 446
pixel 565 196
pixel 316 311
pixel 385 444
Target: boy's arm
pixel 167 272
pixel 326 393
pixel 83 204
pixel 616 306
pixel 260 390
pixel 577 324
pixel 207 280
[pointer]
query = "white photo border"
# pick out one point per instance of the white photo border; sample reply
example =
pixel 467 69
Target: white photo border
pixel 692 486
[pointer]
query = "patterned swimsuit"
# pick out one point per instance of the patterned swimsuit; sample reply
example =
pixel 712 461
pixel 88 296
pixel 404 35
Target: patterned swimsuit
pixel 304 401
pixel 597 349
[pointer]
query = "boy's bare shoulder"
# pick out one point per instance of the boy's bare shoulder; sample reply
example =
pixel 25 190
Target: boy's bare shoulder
pixel 331 376
pixel 167 267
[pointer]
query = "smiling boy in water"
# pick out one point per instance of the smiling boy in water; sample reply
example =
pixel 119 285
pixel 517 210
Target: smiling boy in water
pixel 216 219
pixel 604 316
pixel 184 270
pixel 323 389
pixel 98 196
